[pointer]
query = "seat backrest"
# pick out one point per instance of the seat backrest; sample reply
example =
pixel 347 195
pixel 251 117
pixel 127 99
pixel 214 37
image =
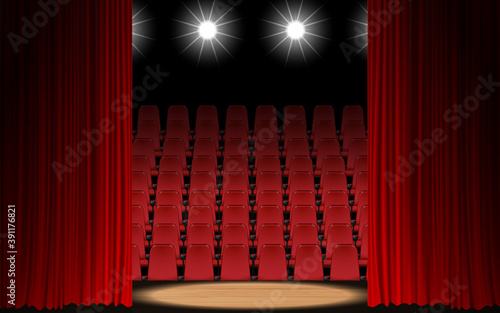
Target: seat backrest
pixel 337 234
pixel 272 263
pixel 235 264
pixel 178 113
pixel 352 113
pixel 308 263
pixel 166 233
pixel 334 181
pixel 357 147
pixel 269 234
pixel 199 263
pixel 175 148
pixel 236 214
pixel 269 214
pixel 136 264
pixel 269 197
pixel 167 214
pixel 344 263
pixel 162 263
pixel 171 164
pixel 337 214
pixel 145 147
pixel 235 234
pixel 326 147
pixel 303 234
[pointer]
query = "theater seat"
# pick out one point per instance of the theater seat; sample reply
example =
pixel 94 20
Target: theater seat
pixel 268 234
pixel 268 181
pixel 142 164
pixel 168 234
pixel 170 198
pixel 149 130
pixel 302 215
pixel 334 197
pixel 293 113
pixel 361 185
pixel 332 164
pixel 266 130
pixel 333 181
pixel 269 214
pixel 203 198
pixel 308 263
pixel 344 264
pixel 136 264
pixel 322 113
pixel 300 181
pixel 175 148
pixel 357 147
pixel 235 181
pixel 326 147
pixel 178 113
pixel 302 234
pixel 235 263
pixel 207 113
pixel 140 182
pixel 236 147
pixel 351 113
pixel 172 164
pixel 236 214
pixel 236 130
pixel 265 113
pixel 179 130
pixel 301 198
pixel 236 164
pixel 162 263
pixel 145 147
pixel 201 214
pixel 354 130
pixel 363 256
pixel 269 197
pixel 235 234
pixel 149 113
pixel 336 214
pixel 361 219
pixel 362 201
pixel 139 239
pixel 336 234
pixel 272 265
pixel 237 113
pixel 296 147
pixel 202 163
pixel 170 181
pixel 198 264
pixel 141 198
pixel 266 147
pixel 201 234
pixel 299 164
pixel 323 130
pixel 206 147
pixel 141 216
pixel 203 181
pixel 234 198
pixel 208 130
pixel 168 214
pixel 267 163
pixel 360 165
pixel 295 130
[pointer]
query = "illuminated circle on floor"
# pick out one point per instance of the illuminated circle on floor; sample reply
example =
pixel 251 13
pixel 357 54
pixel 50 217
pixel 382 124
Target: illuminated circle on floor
pixel 251 295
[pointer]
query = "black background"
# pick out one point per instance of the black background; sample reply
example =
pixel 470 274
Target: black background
pixel 253 76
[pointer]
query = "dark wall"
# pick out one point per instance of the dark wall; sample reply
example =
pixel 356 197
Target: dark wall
pixel 252 76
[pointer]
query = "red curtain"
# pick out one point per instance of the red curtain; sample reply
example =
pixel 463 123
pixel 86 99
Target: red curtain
pixel 66 151
pixel 434 80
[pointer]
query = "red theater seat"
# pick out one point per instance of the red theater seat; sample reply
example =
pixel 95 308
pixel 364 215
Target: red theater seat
pixel 175 148
pixel 354 130
pixel 302 198
pixel 265 113
pixel 140 182
pixel 235 214
pixel 269 197
pixel 357 147
pixel 272 263
pixel 360 165
pixel 168 234
pixel 300 164
pixel 235 181
pixel 201 214
pixel 344 264
pixel 201 234
pixel 268 181
pixel 204 164
pixel 269 214
pixel 363 256
pixel 236 164
pixel 141 198
pixel 268 234
pixel 178 130
pixel 199 263
pixel 361 185
pixel 168 214
pixel 146 147
pixel 302 214
pixel 236 147
pixel 178 113
pixel 295 130
pixel 162 263
pixel 235 198
pixel 336 234
pixel 300 181
pixel 302 234
pixel 266 130
pixel 334 197
pixel 136 264
pixel 170 181
pixel 149 113
pixel 172 164
pixel 266 147
pixel 351 113
pixel 324 130
pixel 203 181
pixel 203 198
pixel 170 198
pixel 206 147
pixel 149 130
pixel 336 214
pixel 207 113
pixel 363 221
pixel 208 130
pixel 326 147
pixel 235 265
pixel 362 200
pixel 267 164
pixel 236 130
pixel 296 147
pixel 332 164
pixel 333 181
pixel 308 263
pixel 235 234
pixel 139 239
pixel 237 113
pixel 140 216
pixel 142 164
pixel 322 113
pixel 293 113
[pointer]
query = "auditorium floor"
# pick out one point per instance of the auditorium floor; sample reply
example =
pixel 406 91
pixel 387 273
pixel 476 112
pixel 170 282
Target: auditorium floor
pixel 254 297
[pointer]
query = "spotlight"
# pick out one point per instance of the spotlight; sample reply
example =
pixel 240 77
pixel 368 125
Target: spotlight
pixel 295 30
pixel 207 30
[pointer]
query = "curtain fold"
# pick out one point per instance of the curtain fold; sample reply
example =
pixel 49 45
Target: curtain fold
pixel 66 150
pixel 433 97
